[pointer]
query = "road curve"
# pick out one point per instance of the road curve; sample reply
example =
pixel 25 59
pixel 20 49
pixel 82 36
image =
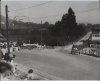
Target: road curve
pixel 60 65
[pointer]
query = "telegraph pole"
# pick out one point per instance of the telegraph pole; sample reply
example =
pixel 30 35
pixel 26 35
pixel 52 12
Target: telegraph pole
pixel 7 29
pixel 41 32
pixel 99 4
pixel 99 11
pixel 0 16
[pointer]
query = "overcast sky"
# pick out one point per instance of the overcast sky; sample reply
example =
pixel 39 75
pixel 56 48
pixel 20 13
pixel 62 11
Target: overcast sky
pixel 52 11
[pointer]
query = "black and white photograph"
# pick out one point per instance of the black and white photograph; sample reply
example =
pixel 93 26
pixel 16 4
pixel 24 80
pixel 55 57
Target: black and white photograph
pixel 49 40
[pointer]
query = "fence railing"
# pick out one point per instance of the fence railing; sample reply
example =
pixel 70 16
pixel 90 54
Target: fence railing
pixel 83 50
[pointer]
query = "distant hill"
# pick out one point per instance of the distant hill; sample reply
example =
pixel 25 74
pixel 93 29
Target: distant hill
pixel 22 25
pixel 3 22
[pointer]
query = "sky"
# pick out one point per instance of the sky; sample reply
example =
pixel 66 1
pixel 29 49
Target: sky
pixel 52 11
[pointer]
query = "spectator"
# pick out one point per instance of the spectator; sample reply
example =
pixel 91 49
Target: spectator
pixel 3 49
pixel 4 69
pixel 9 59
pixel 30 75
pixel 1 55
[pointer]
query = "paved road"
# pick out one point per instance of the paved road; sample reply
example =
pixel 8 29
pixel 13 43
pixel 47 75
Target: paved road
pixel 60 65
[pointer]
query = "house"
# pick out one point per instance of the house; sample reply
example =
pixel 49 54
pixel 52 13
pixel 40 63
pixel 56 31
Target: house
pixel 95 37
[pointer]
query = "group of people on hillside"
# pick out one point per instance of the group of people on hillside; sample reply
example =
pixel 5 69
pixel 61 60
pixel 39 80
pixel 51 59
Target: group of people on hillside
pixel 6 61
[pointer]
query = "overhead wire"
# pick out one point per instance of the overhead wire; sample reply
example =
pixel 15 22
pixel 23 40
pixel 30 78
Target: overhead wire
pixel 56 15
pixel 51 16
pixel 30 7
pixel 89 10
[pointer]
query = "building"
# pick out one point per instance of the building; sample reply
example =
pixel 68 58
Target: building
pixel 95 37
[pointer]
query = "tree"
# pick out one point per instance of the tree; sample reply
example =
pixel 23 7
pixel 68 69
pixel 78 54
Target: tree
pixel 46 23
pixel 67 26
pixel 67 29
pixel 69 23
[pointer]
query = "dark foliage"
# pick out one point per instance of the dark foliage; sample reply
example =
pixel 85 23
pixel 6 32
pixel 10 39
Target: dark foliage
pixel 67 30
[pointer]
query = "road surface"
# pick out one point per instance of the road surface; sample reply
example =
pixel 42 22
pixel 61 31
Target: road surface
pixel 60 65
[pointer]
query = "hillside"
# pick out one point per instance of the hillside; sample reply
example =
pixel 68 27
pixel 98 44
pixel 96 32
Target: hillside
pixel 13 24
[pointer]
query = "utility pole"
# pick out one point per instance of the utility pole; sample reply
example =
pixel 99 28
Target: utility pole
pixel 99 11
pixel 0 16
pixel 99 4
pixel 41 32
pixel 7 29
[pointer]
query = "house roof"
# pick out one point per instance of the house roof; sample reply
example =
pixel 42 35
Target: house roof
pixel 2 38
pixel 1 35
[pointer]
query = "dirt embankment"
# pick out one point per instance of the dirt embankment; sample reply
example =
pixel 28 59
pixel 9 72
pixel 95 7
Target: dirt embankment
pixel 20 74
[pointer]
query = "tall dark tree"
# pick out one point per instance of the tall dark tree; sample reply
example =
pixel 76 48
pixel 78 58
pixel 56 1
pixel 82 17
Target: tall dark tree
pixel 69 23
pixel 67 29
pixel 67 26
